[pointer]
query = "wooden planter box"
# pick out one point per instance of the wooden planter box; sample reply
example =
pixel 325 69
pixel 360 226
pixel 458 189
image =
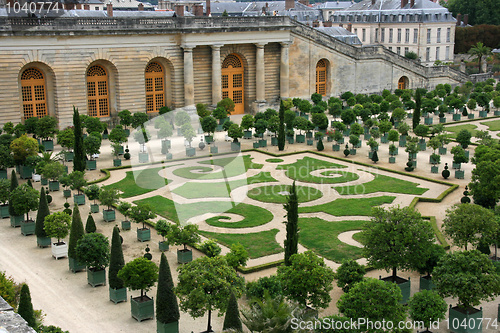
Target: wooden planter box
pixel 125 225
pixel 456 165
pixel 3 174
pixel 108 215
pixel 497 113
pixel 184 256
pixel 43 242
pixel 465 322
pixel 79 199
pixel 28 227
pixel 15 221
pixel 422 146
pixel 300 138
pixel 256 145
pixel 235 146
pixel 117 295
pixel 274 141
pixel 310 142
pixel 442 120
pixel 384 138
pixel 426 283
pixel 442 150
pixel 117 162
pixel 470 116
pixel 341 141
pixel 48 145
pixel 434 169
pixel 247 134
pixel 75 266
pixel 165 146
pixel 143 235
pixel 96 277
pixel 459 174
pixel 44 181
pixel 392 159
pixel 94 208
pixel 168 156
pixel 59 250
pixel 402 142
pixel 404 285
pixel 69 156
pixel 457 116
pixel 25 172
pixel 190 152
pixel 209 139
pixel 336 147
pixel 483 114
pixel 144 157
pixel 428 121
pixel 214 150
pixel 352 151
pixel 394 152
pixel 67 193
pixel 432 160
pixel 142 309
pixel 4 211
pixel 262 143
pixel 290 139
pixel 163 246
pixel 91 164
pixel 54 185
pixel 367 136
pixel 167 328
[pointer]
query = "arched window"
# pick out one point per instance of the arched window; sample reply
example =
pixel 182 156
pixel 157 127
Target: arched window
pixel 403 83
pixel 155 87
pixel 97 91
pixel 232 81
pixel 33 93
pixel 321 77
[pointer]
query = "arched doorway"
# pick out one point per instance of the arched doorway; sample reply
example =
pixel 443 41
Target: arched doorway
pixel 321 77
pixel 403 83
pixel 97 91
pixel 33 93
pixel 232 81
pixel 155 87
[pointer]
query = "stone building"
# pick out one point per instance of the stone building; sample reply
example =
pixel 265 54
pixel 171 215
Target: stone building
pixel 103 63
pixel 403 26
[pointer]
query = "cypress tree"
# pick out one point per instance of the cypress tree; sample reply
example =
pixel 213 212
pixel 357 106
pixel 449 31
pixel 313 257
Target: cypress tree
pixel 292 224
pixel 25 308
pixel 43 210
pixel 281 130
pixel 375 157
pixel 79 159
pixel 13 185
pixel 29 183
pixel 232 319
pixel 167 309
pixel 416 112
pixel 116 261
pixel 90 225
pixel 320 146
pixel 76 232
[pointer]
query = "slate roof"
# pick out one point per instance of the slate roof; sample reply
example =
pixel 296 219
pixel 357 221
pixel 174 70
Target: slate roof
pixel 341 34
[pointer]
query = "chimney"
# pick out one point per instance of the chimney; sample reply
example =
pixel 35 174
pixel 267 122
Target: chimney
pixel 109 9
pixel 327 24
pixel 373 2
pixel 315 24
pixel 341 25
pixel 466 19
pixel 289 4
pixel 179 10
pixel 304 2
pixel 208 8
pixel 86 7
pixel 412 3
pixel 459 19
pixel 403 3
pixel 349 27
pixel 140 7
pixel 198 10
pixel 79 6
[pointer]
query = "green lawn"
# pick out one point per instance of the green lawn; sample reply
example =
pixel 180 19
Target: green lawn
pixel 274 160
pixel 455 129
pixel 382 183
pixel 346 207
pixel 253 216
pixel 232 167
pixel 258 244
pixel 493 125
pixel 147 180
pixel 301 170
pixel 272 194
pixel 193 190
pixel 321 237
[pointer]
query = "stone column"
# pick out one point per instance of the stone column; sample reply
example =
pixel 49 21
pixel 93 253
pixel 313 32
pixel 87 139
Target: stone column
pixel 260 79
pixel 216 74
pixel 188 76
pixel 284 70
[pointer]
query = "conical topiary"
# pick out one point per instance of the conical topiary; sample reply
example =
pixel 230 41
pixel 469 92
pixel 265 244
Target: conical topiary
pixel 25 308
pixel 90 225
pixel 116 261
pixel 232 319
pixel 320 145
pixel 76 232
pixel 29 183
pixel 167 308
pixel 375 157
pixel 43 210
pixel 13 184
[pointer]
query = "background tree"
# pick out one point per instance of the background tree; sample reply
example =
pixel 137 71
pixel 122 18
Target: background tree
pixel 79 159
pixel 281 130
pixel 468 224
pixel 237 256
pixel 396 238
pixel 418 105
pixel 479 51
pixel 13 185
pixel 485 182
pixel 292 224
pixel 348 274
pixel 116 260
pixel 210 248
pixel 90 226
pixel 76 232
pixel 43 211
pixel 205 284
pixel 167 308
pixel 25 308
pixel 307 280
pixel 427 306
pixel 232 319
pixel 66 138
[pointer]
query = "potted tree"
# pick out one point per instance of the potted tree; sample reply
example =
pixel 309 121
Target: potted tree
pixel 209 125
pixel 25 199
pixel 354 141
pixel 337 136
pixel 403 129
pixel 57 226
pixel 22 148
pixel 118 136
pixel 76 233
pixel 164 229
pixel 125 120
pixel 42 240
pixel 427 264
pixel 53 171
pixel 93 250
pixel 235 132
pixel 309 133
pixel 66 139
pixel 221 114
pixel 142 137
pixel 300 123
pixel 4 198
pixel 117 290
pixel 77 181
pixel 6 160
pixel 393 136
pixel 373 147
pixel 189 133
pixel 65 181
pixel 140 274
pixel 470 277
pixel 357 129
pixel 273 124
pixel 260 128
pixel 434 159
pixel 459 157
pixel 464 139
pixel 247 123
pixel 140 214
pixel 427 307
pixel 15 220
pixel 384 127
pixel 92 146
pixel 165 131
pixel 124 208
pixel 109 196
pixel 421 131
pixel 186 235
pixel 92 192
pixel 46 129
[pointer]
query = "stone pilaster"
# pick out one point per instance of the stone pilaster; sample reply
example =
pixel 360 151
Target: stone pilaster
pixel 284 70
pixel 216 74
pixel 188 75
pixel 260 77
